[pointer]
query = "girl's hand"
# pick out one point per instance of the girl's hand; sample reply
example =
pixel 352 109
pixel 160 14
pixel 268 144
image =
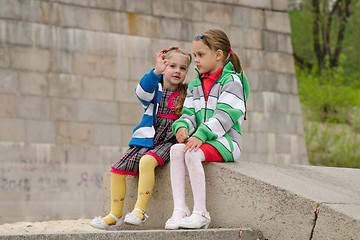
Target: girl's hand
pixel 193 143
pixel 182 135
pixel 160 63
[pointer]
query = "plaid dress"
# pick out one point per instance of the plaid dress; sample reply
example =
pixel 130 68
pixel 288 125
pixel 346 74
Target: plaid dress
pixel 163 139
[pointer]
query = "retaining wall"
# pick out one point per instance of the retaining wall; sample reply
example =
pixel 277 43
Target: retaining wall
pixel 68 69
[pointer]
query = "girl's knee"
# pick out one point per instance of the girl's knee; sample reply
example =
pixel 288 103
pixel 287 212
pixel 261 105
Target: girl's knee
pixel 176 148
pixel 177 152
pixel 148 162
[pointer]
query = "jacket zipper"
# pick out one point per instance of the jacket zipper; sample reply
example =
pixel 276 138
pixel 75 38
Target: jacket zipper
pixel 206 99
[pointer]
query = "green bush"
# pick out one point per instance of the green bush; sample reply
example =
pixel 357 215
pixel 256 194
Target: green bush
pixel 332 145
pixel 331 111
pixel 326 97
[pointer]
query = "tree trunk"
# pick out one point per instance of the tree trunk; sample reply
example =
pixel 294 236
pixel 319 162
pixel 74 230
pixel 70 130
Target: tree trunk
pixel 316 33
pixel 302 62
pixel 322 21
pixel 344 16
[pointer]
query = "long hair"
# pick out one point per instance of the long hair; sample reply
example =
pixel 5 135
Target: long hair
pixel 217 39
pixel 181 98
pixel 182 87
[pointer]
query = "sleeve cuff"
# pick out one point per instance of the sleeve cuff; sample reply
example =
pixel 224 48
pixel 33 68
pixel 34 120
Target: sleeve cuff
pixel 152 74
pixel 179 124
pixel 200 135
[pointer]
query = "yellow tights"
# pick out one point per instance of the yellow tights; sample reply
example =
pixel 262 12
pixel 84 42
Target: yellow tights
pixel 118 190
pixel 147 167
pixel 146 183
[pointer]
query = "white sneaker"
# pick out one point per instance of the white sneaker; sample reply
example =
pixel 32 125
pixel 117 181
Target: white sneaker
pixel 132 219
pixel 99 223
pixel 173 223
pixel 189 222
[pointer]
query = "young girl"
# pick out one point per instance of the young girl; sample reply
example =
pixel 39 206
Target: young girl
pixel 213 111
pixel 162 93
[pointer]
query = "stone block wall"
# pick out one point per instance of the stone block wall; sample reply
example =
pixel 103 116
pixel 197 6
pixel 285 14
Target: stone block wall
pixel 68 69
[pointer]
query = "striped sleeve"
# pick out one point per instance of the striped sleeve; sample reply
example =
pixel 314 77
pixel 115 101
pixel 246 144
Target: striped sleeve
pixel 230 107
pixel 145 90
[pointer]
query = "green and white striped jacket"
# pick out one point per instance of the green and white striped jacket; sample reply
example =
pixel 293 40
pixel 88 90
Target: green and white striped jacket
pixel 217 120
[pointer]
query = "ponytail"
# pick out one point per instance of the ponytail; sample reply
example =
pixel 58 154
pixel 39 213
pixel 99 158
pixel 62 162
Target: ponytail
pixel 181 98
pixel 235 60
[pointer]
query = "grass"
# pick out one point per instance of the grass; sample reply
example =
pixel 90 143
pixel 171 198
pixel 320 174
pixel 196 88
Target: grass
pixel 334 145
pixel 331 116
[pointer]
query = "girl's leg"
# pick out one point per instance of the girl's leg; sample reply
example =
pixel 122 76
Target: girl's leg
pixel 118 190
pixel 193 162
pixel 177 174
pixel 146 183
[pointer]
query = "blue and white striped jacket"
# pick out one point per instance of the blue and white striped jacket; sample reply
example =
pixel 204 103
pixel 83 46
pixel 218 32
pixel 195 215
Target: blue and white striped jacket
pixel 149 92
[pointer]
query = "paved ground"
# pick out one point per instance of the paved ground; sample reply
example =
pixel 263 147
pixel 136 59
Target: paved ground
pixel 81 225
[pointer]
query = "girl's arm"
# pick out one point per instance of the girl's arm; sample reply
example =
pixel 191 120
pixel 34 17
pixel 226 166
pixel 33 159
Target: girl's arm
pixel 145 90
pixel 230 107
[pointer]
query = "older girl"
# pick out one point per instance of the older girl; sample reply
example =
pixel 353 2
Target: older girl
pixel 213 110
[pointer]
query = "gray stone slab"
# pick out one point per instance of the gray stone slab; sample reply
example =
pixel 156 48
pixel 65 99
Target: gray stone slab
pixel 193 10
pixel 97 111
pixel 236 233
pixel 32 107
pixel 218 13
pixel 65 85
pixel 20 10
pixel 44 36
pixel 32 83
pixel 19 33
pixel 170 28
pixel 280 5
pixel 107 135
pixel 277 21
pixel 167 8
pixel 32 59
pixel 9 81
pixel 241 16
pixel 264 4
pixel 139 6
pixel 49 13
pixel 12 130
pixel 119 22
pixel 6 105
pixel 40 131
pixel 280 200
pixel 4 54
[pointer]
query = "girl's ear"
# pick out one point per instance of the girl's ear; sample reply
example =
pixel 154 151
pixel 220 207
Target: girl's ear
pixel 219 54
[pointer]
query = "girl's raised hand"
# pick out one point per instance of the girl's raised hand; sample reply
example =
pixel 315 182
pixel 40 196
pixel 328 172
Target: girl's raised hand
pixel 160 63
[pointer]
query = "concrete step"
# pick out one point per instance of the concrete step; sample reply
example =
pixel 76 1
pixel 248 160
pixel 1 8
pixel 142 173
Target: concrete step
pixel 279 200
pixel 198 234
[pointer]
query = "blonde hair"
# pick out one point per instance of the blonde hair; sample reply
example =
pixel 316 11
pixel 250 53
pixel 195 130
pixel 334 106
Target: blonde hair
pixel 217 39
pixel 182 87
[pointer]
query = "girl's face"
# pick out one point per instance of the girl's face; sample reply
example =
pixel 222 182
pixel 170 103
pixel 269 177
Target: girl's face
pixel 207 60
pixel 175 72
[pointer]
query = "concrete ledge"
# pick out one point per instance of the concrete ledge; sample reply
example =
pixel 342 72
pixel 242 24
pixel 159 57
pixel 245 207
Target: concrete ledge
pixel 244 234
pixel 278 200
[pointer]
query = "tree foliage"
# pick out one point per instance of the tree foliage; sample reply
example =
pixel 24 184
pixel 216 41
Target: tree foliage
pixel 328 20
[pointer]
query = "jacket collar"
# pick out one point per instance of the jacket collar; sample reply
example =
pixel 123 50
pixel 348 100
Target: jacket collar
pixel 228 68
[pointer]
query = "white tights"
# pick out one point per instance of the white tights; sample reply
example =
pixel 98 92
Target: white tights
pixel 193 161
